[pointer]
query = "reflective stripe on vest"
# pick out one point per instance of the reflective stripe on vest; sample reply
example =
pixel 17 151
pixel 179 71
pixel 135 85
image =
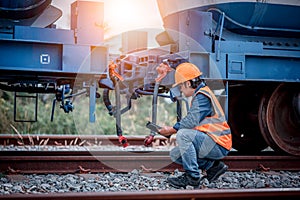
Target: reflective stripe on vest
pixel 215 126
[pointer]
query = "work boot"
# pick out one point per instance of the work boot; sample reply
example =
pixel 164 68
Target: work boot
pixel 216 171
pixel 183 181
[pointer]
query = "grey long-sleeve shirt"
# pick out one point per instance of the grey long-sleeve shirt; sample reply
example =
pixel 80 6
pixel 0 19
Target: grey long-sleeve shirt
pixel 200 108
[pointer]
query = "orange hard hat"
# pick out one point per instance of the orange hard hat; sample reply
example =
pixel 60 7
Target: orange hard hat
pixel 185 72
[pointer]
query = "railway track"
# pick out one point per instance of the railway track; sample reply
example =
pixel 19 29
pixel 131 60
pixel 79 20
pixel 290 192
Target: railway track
pixel 90 161
pixel 122 161
pixel 43 160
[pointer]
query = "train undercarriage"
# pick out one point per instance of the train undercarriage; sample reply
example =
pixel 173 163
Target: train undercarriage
pixel 265 115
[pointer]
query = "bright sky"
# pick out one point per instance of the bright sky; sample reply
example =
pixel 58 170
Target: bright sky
pixel 119 15
pixel 124 15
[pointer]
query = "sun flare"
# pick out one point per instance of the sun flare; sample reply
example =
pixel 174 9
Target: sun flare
pixel 124 15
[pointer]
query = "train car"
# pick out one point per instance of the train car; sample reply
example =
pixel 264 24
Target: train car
pixel 36 57
pixel 249 53
pixel 253 47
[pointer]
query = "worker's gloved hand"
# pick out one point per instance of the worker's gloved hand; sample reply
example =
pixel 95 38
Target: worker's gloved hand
pixel 167 131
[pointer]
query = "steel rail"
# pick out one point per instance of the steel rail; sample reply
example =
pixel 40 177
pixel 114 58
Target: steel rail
pixel 233 194
pixel 15 139
pixel 122 161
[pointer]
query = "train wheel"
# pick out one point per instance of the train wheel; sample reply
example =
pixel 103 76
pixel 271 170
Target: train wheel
pixel 243 120
pixel 283 118
pixel 262 118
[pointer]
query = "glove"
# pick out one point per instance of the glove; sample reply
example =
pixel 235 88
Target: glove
pixel 148 140
pixel 167 131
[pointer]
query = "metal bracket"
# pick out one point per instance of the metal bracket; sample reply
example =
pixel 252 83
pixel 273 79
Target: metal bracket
pixel 220 37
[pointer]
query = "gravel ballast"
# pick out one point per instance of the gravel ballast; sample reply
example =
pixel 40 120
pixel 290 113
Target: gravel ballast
pixel 139 181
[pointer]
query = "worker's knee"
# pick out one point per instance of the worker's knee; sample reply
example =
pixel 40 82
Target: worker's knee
pixel 175 155
pixel 181 133
pixel 185 135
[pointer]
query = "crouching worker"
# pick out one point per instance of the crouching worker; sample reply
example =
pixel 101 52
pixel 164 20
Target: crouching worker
pixel 203 135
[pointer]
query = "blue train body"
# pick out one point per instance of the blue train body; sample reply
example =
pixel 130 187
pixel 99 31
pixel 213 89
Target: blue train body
pixel 36 57
pixel 253 49
pixel 246 40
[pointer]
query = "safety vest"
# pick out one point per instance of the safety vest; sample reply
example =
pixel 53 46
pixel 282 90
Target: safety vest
pixel 215 126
